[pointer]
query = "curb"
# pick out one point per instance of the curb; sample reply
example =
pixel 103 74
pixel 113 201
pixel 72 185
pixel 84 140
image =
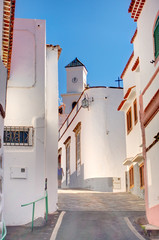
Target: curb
pixel 57 226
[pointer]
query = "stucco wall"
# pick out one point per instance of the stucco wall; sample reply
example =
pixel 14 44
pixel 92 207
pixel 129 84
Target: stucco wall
pixel 81 74
pixel 3 79
pixel 51 125
pixel 26 107
pixel 68 99
pixel 102 150
pixel 152 162
pixel 145 25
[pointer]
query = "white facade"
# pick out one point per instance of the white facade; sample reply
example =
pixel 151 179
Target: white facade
pixel 3 90
pixel 101 149
pixel 143 67
pixel 134 155
pixel 32 92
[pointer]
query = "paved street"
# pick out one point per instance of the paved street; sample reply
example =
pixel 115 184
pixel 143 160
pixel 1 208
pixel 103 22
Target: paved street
pixel 98 216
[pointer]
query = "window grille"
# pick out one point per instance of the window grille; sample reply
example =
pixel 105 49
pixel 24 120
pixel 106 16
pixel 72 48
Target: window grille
pixel 18 136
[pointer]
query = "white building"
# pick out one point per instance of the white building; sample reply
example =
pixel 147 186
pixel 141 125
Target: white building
pixel 7 9
pixel 90 146
pixel 130 106
pixel 142 71
pixel 31 123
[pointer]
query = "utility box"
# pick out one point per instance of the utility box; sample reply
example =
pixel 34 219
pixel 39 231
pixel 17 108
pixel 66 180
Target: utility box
pixel 18 172
pixel 116 183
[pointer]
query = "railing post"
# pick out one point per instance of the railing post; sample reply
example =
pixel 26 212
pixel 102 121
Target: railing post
pixel 46 203
pixel 33 215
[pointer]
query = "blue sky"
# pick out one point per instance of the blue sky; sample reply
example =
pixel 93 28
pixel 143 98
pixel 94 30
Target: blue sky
pixel 97 32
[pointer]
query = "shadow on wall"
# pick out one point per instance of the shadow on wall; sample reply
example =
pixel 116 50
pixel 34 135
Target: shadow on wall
pixel 95 184
pixel 76 180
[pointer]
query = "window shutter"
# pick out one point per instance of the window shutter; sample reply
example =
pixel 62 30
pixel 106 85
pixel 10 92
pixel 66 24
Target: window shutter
pixel 156 38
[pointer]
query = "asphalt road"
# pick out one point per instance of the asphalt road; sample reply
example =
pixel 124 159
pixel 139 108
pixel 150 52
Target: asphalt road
pixel 98 216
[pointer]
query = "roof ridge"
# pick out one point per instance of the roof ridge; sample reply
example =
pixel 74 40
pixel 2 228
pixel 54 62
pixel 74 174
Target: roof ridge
pixel 75 63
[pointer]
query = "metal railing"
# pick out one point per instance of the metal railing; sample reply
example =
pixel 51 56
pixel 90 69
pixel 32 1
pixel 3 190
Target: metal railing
pixel 46 205
pixel 4 232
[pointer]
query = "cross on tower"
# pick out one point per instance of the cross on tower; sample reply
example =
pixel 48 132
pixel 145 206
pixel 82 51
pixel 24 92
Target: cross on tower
pixel 119 80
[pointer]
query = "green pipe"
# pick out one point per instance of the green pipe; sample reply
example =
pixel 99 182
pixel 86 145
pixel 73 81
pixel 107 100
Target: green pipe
pixel 4 232
pixel 33 215
pixel 46 203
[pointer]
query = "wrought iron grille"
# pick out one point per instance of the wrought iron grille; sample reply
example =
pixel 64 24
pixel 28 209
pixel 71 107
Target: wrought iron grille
pixel 18 136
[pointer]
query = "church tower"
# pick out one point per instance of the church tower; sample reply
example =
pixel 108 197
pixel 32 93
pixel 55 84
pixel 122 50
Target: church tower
pixel 76 83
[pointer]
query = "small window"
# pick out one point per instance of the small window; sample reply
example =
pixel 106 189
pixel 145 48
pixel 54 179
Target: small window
pixel 67 145
pixel 74 104
pixel 129 120
pixel 141 169
pixel 67 164
pixel 135 112
pixel 131 176
pixel 77 131
pixel 18 136
pixel 60 110
pixel 156 38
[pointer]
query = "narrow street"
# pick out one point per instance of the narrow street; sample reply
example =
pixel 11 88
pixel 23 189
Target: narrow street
pixel 91 215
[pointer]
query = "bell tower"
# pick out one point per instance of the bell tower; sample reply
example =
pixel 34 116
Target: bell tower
pixel 76 83
pixel 76 76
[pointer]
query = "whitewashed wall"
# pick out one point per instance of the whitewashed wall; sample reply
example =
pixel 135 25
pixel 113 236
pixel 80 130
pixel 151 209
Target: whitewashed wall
pixel 102 151
pixel 3 85
pixel 68 99
pixel 51 111
pixel 146 24
pixel 81 74
pixel 26 107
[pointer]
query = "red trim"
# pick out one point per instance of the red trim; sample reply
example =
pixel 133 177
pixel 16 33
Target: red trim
pixel 125 97
pixel 145 117
pixel 69 124
pixel 130 58
pixel 134 36
pixel 2 112
pixel 121 104
pixel 152 109
pixel 128 92
pixel 135 64
pixel 79 99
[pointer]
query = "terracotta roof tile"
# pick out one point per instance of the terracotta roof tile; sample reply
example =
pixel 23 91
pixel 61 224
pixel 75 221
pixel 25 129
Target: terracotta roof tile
pixel 7 35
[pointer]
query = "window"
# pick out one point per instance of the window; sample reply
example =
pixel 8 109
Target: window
pixel 129 120
pixel 135 111
pixel 60 110
pixel 18 136
pixel 67 145
pixel 156 38
pixel 77 131
pixel 131 176
pixel 67 164
pixel 141 169
pixel 73 104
